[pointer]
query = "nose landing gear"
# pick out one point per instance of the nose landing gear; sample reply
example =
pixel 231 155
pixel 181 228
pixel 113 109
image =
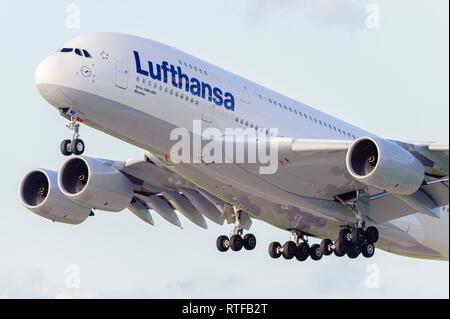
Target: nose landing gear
pixel 75 145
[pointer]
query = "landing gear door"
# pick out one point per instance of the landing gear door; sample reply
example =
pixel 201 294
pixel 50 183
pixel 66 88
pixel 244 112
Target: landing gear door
pixel 121 75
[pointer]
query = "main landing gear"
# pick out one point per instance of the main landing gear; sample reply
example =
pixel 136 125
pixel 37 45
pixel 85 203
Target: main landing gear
pixel 75 145
pixel 236 241
pixel 297 247
pixel 352 242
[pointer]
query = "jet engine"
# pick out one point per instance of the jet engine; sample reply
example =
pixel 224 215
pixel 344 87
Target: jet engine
pixel 40 194
pixel 385 165
pixel 95 183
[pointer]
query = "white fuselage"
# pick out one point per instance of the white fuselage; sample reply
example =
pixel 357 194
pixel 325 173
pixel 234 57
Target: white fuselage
pixel 120 91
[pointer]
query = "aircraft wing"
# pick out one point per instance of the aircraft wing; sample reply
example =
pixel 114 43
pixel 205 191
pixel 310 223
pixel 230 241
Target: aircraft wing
pixel 160 190
pixel 317 168
pixel 314 168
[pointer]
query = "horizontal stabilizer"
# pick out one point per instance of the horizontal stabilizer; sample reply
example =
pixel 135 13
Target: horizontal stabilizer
pixel 422 203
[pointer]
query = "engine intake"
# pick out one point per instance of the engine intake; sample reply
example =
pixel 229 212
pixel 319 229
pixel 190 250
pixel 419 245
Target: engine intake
pixel 40 194
pixel 385 165
pixel 95 183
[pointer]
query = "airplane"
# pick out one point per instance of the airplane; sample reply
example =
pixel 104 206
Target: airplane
pixel 349 189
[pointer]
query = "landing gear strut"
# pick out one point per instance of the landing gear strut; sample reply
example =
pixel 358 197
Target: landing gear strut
pixel 297 247
pixel 75 145
pixel 356 239
pixel 236 241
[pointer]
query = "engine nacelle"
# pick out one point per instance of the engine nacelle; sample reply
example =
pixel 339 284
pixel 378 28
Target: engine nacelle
pixel 385 165
pixel 94 183
pixel 40 194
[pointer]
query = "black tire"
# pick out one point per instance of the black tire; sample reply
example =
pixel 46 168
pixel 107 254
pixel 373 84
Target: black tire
pixel 353 250
pixel 66 147
pixel 274 250
pixel 249 242
pixel 236 242
pixel 345 236
pixel 339 248
pixel 358 236
pixel 223 243
pixel 302 252
pixel 289 250
pixel 325 247
pixel 315 252
pixel 372 235
pixel 368 250
pixel 77 146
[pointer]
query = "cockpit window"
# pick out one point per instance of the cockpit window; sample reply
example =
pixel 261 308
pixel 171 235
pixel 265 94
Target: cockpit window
pixel 87 54
pixel 79 52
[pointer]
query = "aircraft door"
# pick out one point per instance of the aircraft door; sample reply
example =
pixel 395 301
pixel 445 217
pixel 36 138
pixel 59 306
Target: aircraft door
pixel 245 94
pixel 121 75
pixel 208 113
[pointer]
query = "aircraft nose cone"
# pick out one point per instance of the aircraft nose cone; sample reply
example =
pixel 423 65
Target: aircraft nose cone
pixel 48 81
pixel 44 71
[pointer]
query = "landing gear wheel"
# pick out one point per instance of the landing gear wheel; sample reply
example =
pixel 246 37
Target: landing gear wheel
pixel 274 250
pixel 358 236
pixel 353 250
pixel 236 242
pixel 372 235
pixel 339 248
pixel 302 251
pixel 289 250
pixel 77 146
pixel 249 242
pixel 66 147
pixel 325 247
pixel 345 236
pixel 315 252
pixel 368 250
pixel 223 243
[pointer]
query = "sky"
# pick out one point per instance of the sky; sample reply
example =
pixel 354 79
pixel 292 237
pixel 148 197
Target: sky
pixel 381 65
